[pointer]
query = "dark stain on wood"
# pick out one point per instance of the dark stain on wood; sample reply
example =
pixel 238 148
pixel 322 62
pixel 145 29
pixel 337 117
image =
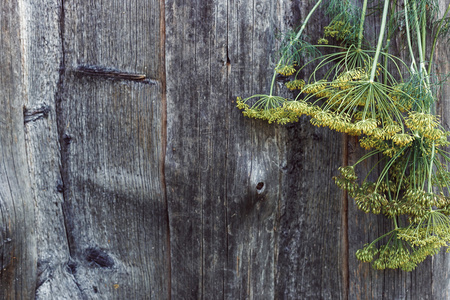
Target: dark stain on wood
pixel 99 258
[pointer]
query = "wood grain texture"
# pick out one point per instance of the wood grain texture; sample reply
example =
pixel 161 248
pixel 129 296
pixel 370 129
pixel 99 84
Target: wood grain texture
pixel 127 172
pixel 426 281
pixel 44 54
pixel 17 233
pixel 222 230
pixel 441 262
pixel 310 256
pixel 110 135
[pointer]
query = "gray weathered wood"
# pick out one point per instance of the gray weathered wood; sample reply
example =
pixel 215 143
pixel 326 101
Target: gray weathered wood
pixel 441 262
pixel 44 54
pixel 127 172
pixel 17 219
pixel 310 223
pixel 110 128
pixel 222 232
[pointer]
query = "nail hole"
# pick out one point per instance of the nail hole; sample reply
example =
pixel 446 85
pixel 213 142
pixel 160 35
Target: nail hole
pixel 259 186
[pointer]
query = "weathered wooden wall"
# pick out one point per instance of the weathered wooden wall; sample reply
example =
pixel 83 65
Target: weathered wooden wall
pixel 117 187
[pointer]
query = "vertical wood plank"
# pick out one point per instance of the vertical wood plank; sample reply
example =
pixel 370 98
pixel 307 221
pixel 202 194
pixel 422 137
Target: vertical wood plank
pixel 222 231
pixel 256 155
pixel 43 50
pixel 367 283
pixel 310 259
pixel 196 78
pixel 110 130
pixel 441 262
pixel 17 232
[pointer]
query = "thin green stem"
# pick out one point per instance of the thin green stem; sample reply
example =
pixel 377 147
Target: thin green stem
pixel 295 39
pixel 383 236
pixel 385 73
pixel 430 170
pixel 361 24
pixel 386 48
pixel 380 39
pixel 424 27
pixel 408 37
pixel 419 40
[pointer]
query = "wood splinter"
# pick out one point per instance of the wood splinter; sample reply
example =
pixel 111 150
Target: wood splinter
pixel 35 113
pixel 113 74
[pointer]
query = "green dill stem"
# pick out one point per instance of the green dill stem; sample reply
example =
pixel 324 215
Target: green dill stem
pixel 386 61
pixel 421 51
pixel 296 38
pixel 361 25
pixel 436 37
pixel 424 27
pixel 419 39
pixel 394 4
pixel 408 36
pixel 430 171
pixel 383 236
pixel 380 39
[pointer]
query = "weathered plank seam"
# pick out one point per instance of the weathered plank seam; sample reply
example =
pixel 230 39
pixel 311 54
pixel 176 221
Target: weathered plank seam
pixel 226 158
pixel 163 82
pixel 344 227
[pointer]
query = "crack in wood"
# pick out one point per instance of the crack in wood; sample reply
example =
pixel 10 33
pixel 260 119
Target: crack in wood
pixel 64 141
pixel 162 76
pixel 344 227
pixel 113 74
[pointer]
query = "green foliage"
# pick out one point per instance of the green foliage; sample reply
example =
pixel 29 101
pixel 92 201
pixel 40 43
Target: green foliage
pixel 361 89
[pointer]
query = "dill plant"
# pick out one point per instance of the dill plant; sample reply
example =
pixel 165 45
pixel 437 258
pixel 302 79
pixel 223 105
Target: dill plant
pixel 388 102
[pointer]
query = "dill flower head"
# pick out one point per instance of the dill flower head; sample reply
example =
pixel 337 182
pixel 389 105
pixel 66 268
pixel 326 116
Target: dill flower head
pixel 392 129
pixel 402 139
pixel 298 107
pixel 296 84
pixel 421 121
pixel 367 125
pixel 367 253
pixel 315 87
pixel 241 104
pixel 285 70
pixel 349 76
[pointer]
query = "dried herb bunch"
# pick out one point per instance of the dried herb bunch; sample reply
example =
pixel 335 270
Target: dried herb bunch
pixel 389 103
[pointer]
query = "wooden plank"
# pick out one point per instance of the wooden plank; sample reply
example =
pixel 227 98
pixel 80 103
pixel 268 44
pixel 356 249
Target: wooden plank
pixel 195 194
pixel 251 209
pixel 110 126
pixel 310 259
pixel 17 236
pixel 441 262
pixel 367 283
pixel 254 156
pixel 222 231
pixel 44 55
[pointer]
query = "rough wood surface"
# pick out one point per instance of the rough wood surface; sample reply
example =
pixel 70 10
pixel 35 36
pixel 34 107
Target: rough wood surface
pixel 110 128
pixel 44 53
pixel 17 219
pixel 223 235
pixel 127 172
